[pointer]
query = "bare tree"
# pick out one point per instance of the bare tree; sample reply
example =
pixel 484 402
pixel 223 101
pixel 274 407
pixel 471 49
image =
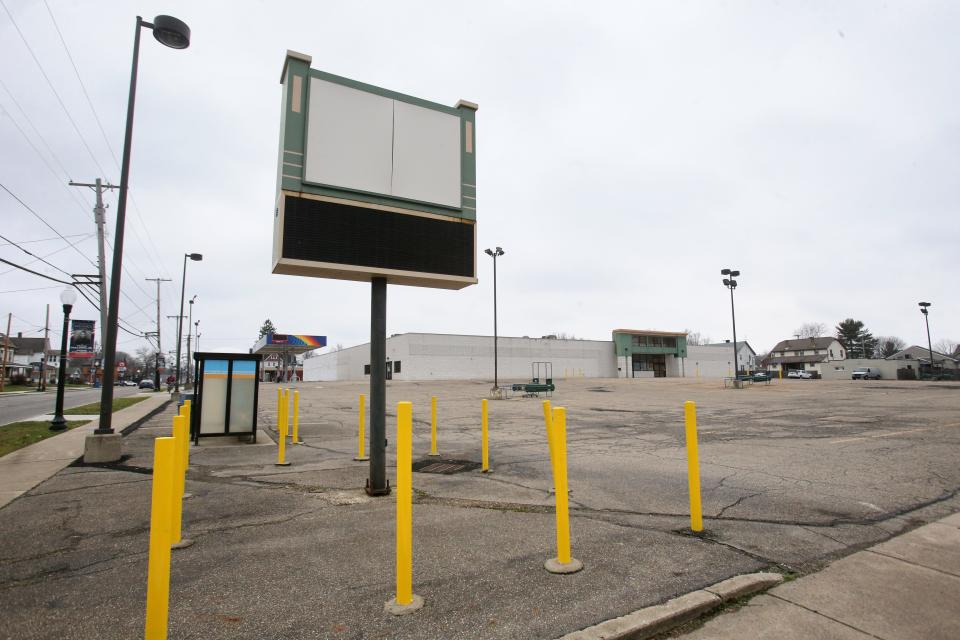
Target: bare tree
pixel 945 346
pixel 695 338
pixel 811 330
pixel 889 345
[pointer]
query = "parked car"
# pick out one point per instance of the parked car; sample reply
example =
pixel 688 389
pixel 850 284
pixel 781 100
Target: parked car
pixel 129 383
pixel 865 373
pixel 146 384
pixel 793 373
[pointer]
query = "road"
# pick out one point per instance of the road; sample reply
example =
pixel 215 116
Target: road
pixel 23 406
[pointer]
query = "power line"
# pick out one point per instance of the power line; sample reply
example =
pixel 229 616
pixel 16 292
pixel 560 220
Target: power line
pixel 43 159
pixel 33 289
pixel 3 273
pixel 72 235
pixel 43 72
pixel 36 273
pixel 83 87
pixel 41 219
pixel 106 140
pixel 33 255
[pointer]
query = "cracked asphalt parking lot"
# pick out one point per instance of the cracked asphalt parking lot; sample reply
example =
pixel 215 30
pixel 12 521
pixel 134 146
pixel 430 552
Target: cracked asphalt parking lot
pixel 794 474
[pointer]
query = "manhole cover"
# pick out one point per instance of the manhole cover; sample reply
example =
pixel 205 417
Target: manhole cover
pixel 445 467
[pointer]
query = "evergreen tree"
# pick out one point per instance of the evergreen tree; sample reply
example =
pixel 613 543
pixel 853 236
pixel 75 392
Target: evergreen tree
pixel 859 342
pixel 267 328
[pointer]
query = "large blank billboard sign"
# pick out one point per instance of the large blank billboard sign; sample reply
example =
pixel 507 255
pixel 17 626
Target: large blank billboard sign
pixel 373 183
pixel 358 140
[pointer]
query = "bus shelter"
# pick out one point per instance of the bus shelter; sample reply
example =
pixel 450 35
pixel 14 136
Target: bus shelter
pixel 225 395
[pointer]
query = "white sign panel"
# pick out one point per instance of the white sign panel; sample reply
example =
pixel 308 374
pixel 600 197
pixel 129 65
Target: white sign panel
pixel 366 142
pixel 349 138
pixel 426 155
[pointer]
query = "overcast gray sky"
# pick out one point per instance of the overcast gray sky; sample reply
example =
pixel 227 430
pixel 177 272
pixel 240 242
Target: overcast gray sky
pixel 626 153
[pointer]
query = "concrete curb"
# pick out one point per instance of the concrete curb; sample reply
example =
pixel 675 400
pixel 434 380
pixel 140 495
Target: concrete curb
pixel 650 621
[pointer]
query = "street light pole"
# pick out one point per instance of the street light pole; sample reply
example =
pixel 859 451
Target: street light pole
pixel 731 284
pixel 183 285
pixel 493 254
pixel 68 296
pixel 189 334
pixel 924 307
pixel 175 34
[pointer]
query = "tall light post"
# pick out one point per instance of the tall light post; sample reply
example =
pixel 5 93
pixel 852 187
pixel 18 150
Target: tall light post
pixel 175 34
pixel 189 334
pixel 196 257
pixel 924 306
pixel 68 296
pixel 494 254
pixel 731 284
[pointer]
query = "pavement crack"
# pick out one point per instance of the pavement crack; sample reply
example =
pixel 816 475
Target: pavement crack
pixel 737 503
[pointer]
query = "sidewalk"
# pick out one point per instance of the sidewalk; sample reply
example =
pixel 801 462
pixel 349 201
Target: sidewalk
pixel 25 468
pixel 907 587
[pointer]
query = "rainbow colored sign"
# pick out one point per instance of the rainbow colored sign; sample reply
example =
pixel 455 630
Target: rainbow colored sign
pixel 296 340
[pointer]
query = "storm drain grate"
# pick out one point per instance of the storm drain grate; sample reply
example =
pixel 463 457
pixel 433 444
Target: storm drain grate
pixel 445 467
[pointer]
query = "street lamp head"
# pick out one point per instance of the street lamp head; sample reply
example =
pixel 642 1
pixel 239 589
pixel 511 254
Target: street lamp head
pixel 725 272
pixel 196 257
pixel 488 252
pixel 68 296
pixel 734 274
pixel 171 32
pixel 726 282
pixel 925 304
pixel 499 251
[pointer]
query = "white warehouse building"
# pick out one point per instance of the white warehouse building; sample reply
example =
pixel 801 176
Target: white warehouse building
pixel 432 356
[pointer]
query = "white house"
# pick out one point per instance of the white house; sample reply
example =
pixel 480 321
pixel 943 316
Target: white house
pixel 807 354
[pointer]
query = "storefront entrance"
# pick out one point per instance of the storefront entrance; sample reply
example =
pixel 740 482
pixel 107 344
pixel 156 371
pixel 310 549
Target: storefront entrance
pixel 645 364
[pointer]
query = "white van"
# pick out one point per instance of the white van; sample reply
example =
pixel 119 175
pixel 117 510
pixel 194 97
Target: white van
pixel 866 373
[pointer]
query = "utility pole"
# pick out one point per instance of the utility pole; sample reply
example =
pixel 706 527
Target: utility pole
pixel 156 376
pixel 99 217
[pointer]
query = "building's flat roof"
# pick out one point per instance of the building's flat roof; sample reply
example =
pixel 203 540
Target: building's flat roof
pixel 650 332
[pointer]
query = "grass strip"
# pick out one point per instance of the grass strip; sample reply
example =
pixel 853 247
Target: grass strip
pixel 17 435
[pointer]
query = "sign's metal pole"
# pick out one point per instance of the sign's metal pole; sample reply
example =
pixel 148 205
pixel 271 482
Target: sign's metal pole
pixel 377 484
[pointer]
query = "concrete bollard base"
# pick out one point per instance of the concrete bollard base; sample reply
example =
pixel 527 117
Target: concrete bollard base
pixel 555 566
pixel 183 544
pixel 403 609
pixel 361 459
pixel 102 447
pixel 281 464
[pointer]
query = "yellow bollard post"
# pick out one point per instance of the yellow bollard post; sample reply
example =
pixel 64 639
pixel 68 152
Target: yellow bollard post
pixel 282 445
pixel 780 374
pixel 484 439
pixel 563 563
pixel 286 411
pixel 158 567
pixel 693 466
pixel 296 419
pixel 279 408
pixel 179 484
pixel 185 411
pixel 433 426
pixel 361 437
pixel 405 600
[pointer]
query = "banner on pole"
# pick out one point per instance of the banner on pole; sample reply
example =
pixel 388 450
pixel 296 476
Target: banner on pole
pixel 81 338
